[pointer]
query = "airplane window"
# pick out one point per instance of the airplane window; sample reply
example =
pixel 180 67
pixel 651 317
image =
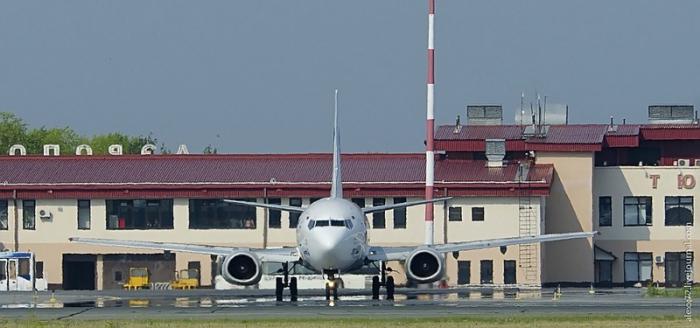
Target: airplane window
pixel 311 224
pixel 348 224
pixel 337 223
pixel 321 223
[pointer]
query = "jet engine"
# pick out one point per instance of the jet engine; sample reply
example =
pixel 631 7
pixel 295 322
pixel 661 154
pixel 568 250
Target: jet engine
pixel 425 265
pixel 242 268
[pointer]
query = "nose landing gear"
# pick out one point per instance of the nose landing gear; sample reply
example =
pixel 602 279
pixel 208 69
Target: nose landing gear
pixel 284 282
pixel 386 282
pixel 332 284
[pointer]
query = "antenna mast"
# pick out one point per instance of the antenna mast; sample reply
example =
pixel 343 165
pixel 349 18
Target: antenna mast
pixel 430 127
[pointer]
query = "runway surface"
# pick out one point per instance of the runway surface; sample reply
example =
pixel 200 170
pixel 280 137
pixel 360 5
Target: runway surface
pixel 258 304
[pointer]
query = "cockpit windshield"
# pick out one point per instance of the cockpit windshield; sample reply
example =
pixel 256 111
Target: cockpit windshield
pixel 330 223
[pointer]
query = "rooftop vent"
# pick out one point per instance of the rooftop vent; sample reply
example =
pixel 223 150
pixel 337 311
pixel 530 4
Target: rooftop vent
pixel 671 114
pixel 495 152
pixel 484 114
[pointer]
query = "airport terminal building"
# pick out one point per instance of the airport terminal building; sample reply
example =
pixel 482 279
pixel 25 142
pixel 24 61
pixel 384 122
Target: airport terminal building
pixel 635 183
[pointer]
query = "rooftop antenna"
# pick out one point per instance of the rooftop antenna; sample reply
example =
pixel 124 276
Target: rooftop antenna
pixel 544 113
pixel 539 115
pixel 522 109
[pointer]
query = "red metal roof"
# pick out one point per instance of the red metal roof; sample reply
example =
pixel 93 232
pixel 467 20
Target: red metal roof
pixel 479 132
pixel 196 174
pixel 572 137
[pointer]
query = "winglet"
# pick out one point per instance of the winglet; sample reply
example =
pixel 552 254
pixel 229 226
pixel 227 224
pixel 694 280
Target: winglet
pixel 337 183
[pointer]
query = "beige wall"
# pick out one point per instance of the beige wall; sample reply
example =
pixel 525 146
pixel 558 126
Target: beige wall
pixel 569 208
pixel 618 182
pixel 50 239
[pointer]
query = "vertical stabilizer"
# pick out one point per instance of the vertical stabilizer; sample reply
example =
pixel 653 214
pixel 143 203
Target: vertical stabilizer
pixel 337 183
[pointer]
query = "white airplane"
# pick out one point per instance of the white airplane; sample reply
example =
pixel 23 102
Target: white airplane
pixel 332 240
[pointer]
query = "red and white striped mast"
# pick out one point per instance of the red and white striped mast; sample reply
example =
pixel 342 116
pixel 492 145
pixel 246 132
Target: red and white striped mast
pixel 430 127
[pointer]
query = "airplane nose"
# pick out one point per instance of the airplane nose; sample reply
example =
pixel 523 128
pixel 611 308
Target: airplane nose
pixel 328 242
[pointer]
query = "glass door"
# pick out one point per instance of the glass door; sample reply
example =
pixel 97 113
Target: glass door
pixel 12 274
pixel 4 282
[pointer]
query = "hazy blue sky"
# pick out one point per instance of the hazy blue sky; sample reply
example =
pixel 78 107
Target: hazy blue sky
pixel 259 74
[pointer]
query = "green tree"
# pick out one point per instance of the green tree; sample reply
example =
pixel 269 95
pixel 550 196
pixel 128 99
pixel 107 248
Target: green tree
pixel 100 143
pixel 12 131
pixel 65 137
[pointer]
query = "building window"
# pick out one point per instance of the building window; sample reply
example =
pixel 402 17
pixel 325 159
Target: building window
pixel 378 218
pixel 486 272
pixel 274 216
pixel 477 214
pixel 217 214
pixel 84 214
pixel 605 211
pixel 454 213
pixel 3 215
pixel 139 214
pixel 400 214
pixel 637 267
pixel 29 214
pixel 463 272
pixel 637 211
pixel 359 202
pixel 294 216
pixel 509 272
pixel 679 211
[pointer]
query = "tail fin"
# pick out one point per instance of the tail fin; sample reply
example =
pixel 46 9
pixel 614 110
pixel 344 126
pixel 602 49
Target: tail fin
pixel 337 183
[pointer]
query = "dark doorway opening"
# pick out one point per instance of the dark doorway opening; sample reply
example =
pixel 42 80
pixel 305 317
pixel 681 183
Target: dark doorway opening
pixel 486 272
pixel 79 272
pixel 463 272
pixel 603 273
pixel 509 272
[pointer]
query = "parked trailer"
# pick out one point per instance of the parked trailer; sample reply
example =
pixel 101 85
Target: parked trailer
pixel 18 272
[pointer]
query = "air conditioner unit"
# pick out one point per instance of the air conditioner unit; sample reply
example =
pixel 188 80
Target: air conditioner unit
pixel 45 215
pixel 683 162
pixel 697 162
pixel 659 260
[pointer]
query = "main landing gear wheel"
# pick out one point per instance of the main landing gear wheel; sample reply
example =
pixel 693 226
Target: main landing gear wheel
pixel 293 289
pixel 387 282
pixel 279 289
pixel 375 287
pixel 283 282
pixel 390 288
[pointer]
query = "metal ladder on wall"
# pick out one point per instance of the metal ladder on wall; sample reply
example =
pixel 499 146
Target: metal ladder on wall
pixel 528 222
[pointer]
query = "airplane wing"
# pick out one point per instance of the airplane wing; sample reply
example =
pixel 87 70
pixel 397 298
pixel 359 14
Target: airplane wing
pixel 265 255
pixel 270 206
pixel 400 205
pixel 380 253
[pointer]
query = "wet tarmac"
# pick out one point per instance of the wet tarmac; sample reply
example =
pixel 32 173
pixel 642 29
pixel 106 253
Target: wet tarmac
pixel 352 303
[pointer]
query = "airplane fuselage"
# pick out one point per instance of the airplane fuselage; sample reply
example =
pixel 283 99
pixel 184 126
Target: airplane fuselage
pixel 332 236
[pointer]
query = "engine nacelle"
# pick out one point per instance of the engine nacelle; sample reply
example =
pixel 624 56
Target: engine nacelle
pixel 425 265
pixel 242 268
